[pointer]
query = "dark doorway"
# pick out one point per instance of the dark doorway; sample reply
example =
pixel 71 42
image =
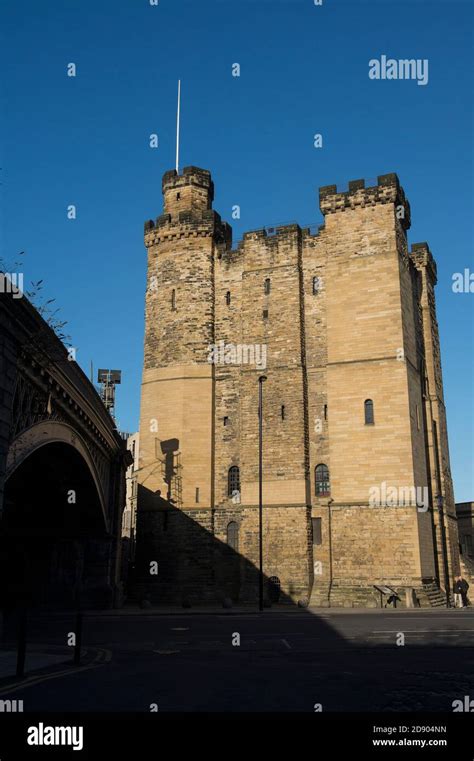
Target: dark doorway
pixel 274 589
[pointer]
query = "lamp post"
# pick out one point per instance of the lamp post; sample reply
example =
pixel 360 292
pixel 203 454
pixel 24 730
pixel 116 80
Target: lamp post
pixel 261 381
pixel 330 501
pixel 442 527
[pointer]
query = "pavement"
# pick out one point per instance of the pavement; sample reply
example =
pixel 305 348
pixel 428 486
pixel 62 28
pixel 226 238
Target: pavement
pixel 35 661
pixel 206 610
pixel 243 660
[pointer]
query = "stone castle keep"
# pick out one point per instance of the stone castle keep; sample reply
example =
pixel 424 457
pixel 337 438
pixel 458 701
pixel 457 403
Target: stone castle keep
pixel 342 322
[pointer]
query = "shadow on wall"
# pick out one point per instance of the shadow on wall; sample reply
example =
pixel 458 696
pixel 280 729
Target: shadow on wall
pixel 179 560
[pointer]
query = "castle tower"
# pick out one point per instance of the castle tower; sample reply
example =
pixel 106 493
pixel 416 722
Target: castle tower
pixel 375 444
pixel 176 416
pixel 341 321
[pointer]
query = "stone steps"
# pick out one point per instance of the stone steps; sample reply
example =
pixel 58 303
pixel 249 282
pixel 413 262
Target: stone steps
pixel 430 595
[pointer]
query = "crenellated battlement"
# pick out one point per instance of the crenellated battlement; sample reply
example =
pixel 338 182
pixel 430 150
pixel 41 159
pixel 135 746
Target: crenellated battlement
pixel 271 233
pixel 186 224
pixel 188 201
pixel 192 175
pixel 387 191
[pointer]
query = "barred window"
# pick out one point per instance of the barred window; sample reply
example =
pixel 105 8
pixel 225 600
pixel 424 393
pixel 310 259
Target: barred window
pixel 321 480
pixel 233 480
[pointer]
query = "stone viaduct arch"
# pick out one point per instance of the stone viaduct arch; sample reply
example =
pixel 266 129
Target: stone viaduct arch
pixel 62 472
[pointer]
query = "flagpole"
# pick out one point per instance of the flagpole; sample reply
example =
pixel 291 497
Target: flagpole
pixel 177 127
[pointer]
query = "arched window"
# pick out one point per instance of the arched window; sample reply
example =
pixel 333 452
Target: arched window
pixel 267 286
pixel 369 412
pixel 233 535
pixel 227 298
pixel 321 480
pixel 233 480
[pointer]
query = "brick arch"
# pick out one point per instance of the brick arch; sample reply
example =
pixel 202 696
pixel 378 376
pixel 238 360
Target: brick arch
pixel 49 432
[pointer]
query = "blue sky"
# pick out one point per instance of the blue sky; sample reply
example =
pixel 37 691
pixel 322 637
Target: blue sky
pixel 304 70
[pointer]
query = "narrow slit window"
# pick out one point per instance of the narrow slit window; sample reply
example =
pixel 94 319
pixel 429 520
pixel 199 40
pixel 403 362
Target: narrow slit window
pixel 233 535
pixel 267 286
pixel 325 412
pixel 227 298
pixel 423 376
pixel 173 299
pixel 369 412
pixel 316 285
pixel 226 420
pixel 197 493
pixel 317 530
pixel 283 412
pixel 178 196
pixel 265 314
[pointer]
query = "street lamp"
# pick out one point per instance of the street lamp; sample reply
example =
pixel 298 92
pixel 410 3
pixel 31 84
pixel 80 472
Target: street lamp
pixel 261 381
pixel 442 526
pixel 330 501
